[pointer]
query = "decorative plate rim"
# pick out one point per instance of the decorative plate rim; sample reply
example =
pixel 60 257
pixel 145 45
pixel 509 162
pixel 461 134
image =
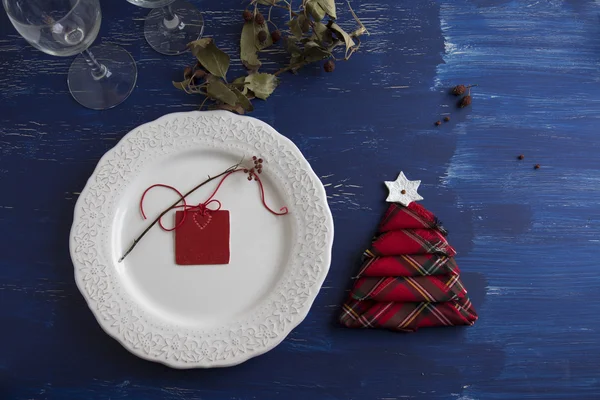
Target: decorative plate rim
pixel 286 307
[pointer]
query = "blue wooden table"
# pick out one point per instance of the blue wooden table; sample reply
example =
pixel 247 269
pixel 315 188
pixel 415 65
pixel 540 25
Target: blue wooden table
pixel 527 239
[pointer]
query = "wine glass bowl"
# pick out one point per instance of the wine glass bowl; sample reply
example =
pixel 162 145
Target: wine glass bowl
pixel 98 80
pixel 56 27
pixel 171 25
pixel 151 3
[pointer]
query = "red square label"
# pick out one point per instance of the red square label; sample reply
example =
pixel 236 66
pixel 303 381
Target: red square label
pixel 202 239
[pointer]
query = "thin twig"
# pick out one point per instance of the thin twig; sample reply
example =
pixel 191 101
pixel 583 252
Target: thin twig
pixel 203 102
pixel 139 238
pixel 356 18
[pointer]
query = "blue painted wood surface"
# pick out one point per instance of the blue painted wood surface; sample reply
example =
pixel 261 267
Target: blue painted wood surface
pixel 526 239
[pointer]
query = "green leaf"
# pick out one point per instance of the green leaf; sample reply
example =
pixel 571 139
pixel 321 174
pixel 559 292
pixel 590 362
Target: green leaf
pixel 318 9
pixel 182 85
pixel 314 52
pixel 304 23
pixel 250 45
pixel 243 101
pixel 240 84
pixel 295 28
pixel 291 46
pixel 341 34
pixel 329 7
pixel 315 10
pixel 217 90
pixel 322 33
pixel 237 108
pixel 212 59
pixel 262 84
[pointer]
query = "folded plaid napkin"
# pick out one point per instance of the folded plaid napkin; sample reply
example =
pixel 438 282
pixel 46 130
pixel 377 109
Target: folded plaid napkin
pixel 408 265
pixel 407 317
pixel 409 278
pixel 411 241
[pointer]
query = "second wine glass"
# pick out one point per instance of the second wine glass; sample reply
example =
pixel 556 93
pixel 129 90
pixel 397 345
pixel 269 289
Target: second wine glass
pixel 171 25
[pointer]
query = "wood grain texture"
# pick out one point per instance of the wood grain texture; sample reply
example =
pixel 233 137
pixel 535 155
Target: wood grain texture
pixel 526 239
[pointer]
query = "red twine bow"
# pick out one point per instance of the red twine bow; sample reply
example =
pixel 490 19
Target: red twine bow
pixel 203 208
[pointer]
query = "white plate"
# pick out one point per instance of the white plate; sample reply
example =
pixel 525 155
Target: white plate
pixel 205 315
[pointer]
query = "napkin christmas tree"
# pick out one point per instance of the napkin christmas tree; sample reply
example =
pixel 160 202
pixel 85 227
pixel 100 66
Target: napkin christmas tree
pixel 409 278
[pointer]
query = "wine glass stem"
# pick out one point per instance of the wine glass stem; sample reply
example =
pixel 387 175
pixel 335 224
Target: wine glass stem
pixel 99 71
pixel 171 21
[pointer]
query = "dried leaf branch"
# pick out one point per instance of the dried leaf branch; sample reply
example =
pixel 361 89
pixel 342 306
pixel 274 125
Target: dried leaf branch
pixel 313 36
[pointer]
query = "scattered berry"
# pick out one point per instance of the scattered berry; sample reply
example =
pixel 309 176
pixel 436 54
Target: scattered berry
pixel 245 171
pixel 259 19
pixel 438 123
pixel 254 158
pixel 465 101
pixel 262 36
pixel 187 73
pixel 329 66
pixel 403 191
pixel 247 16
pixel 446 119
pixel 260 160
pixel 536 166
pixel 249 177
pixel 459 90
pixel 521 157
pixel 276 35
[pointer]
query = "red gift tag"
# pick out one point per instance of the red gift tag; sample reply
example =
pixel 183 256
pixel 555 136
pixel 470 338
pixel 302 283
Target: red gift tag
pixel 202 238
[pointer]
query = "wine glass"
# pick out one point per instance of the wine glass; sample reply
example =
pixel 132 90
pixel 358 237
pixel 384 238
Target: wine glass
pixel 67 27
pixel 171 25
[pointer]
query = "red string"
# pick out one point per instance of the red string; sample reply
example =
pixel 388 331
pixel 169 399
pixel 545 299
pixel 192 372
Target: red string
pixel 203 207
pixel 160 219
pixel 283 210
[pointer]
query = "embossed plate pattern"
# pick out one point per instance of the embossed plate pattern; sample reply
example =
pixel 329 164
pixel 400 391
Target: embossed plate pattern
pixel 201 316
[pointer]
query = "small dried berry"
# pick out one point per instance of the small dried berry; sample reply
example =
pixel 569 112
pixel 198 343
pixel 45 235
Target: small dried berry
pixel 465 101
pixel 187 73
pixel 247 15
pixel 403 191
pixel 255 177
pixel 521 157
pixel 249 177
pixel 537 166
pixel 446 119
pixel 260 160
pixel 262 36
pixel 200 73
pixel 459 90
pixel 245 171
pixel 259 19
pixel 438 123
pixel 254 158
pixel 276 35
pixel 329 66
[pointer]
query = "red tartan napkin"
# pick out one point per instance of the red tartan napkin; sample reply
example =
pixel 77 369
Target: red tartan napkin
pixel 409 265
pixel 414 216
pixel 407 317
pixel 421 288
pixel 411 241
pixel 409 278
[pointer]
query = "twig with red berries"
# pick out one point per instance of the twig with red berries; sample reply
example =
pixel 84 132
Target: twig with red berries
pixel 231 169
